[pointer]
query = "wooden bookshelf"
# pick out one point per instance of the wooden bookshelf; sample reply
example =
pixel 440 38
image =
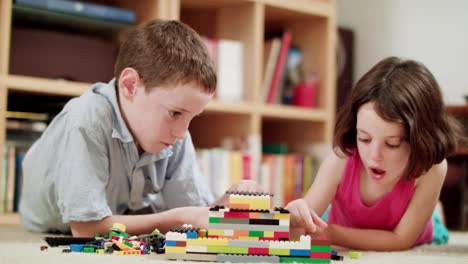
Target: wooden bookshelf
pixel 9 219
pixel 312 23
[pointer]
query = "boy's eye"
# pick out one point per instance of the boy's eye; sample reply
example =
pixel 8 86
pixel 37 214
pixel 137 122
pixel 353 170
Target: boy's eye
pixel 174 114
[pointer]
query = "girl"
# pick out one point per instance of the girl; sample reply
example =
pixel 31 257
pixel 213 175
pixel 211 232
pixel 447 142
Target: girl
pixel 384 177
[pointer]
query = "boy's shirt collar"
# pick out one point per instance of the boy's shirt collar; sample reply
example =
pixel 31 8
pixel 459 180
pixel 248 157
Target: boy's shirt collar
pixel 119 128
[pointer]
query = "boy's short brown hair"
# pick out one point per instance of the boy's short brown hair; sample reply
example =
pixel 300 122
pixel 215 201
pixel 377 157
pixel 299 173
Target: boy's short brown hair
pixel 166 53
pixel 402 91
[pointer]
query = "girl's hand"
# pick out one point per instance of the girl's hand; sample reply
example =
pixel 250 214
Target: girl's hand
pixel 241 186
pixel 303 220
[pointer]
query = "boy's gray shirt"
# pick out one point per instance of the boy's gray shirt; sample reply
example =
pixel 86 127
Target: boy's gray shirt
pixel 86 167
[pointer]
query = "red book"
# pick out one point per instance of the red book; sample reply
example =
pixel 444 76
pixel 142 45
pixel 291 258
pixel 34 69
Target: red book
pixel 280 65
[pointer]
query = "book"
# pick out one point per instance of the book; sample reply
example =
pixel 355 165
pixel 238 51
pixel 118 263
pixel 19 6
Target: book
pixel 3 180
pixel 212 48
pixel 279 68
pixel 27 115
pixel 11 179
pixel 83 9
pixel 20 153
pixel 271 52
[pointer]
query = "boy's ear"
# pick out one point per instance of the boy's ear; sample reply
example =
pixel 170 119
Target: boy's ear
pixel 129 81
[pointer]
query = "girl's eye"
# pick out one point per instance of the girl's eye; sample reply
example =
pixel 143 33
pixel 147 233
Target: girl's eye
pixel 392 145
pixel 364 140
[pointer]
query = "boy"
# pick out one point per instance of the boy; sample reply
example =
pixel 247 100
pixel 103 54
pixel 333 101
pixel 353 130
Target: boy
pixel 122 148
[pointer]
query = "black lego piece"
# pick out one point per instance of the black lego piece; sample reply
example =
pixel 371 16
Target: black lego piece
pixel 66 241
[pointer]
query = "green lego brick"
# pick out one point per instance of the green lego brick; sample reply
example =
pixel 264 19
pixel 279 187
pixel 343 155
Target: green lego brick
pixel 304 260
pixel 128 244
pixel 279 251
pixel 314 248
pixel 355 254
pixel 256 233
pixel 89 249
pixel 214 219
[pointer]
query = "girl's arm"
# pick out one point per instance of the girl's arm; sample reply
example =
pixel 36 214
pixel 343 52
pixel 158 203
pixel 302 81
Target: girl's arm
pixel 404 235
pixel 305 213
pixel 325 185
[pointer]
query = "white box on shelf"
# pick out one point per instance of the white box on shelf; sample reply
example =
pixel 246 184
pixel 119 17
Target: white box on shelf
pixel 230 85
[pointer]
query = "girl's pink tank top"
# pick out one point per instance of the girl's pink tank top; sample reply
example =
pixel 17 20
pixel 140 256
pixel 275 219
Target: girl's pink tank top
pixel 348 209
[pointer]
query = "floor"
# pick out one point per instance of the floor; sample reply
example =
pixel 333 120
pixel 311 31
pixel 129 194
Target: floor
pixel 18 246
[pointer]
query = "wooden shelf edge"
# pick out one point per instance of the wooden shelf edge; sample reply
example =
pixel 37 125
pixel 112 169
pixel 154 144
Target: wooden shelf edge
pixel 457 109
pixel 293 113
pixel 462 151
pixel 43 85
pixel 228 107
pixel 320 8
pixel 10 219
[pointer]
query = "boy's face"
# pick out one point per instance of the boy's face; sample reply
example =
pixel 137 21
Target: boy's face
pixel 158 118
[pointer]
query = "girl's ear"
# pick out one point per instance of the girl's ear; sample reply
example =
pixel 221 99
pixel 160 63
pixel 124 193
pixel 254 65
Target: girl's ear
pixel 129 81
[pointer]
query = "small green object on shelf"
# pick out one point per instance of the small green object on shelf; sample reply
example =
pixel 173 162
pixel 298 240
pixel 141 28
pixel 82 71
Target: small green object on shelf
pixel 280 148
pixel 355 254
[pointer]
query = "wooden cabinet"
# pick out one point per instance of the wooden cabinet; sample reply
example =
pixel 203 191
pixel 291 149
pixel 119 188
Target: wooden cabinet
pixel 453 194
pixel 312 23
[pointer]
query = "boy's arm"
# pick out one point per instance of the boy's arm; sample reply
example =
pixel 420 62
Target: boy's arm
pixel 144 224
pixel 410 226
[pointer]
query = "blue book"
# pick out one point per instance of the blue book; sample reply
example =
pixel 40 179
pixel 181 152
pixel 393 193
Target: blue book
pixel 83 9
pixel 19 179
pixel 3 180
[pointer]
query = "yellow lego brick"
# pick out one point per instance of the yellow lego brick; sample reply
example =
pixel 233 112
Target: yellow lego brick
pixel 207 242
pixel 247 238
pixel 127 252
pixel 250 203
pixel 216 232
pixel 176 249
pixel 279 251
pixel 268 233
pixel 280 216
pixel 261 204
pixel 100 251
pixel 119 226
pixel 228 250
pixel 122 246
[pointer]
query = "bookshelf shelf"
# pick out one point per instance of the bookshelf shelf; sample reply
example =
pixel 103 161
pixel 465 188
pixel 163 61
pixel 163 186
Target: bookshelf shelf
pixel 311 22
pixel 43 86
pixel 284 9
pixel 293 113
pixel 236 108
pixel 9 219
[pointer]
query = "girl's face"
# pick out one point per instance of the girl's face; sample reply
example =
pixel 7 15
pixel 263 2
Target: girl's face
pixel 382 146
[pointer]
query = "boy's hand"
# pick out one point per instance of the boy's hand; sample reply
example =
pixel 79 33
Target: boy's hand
pixel 241 186
pixel 195 216
pixel 303 219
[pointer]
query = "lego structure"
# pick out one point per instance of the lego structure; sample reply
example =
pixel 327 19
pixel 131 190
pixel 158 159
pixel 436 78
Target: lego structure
pixel 247 231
